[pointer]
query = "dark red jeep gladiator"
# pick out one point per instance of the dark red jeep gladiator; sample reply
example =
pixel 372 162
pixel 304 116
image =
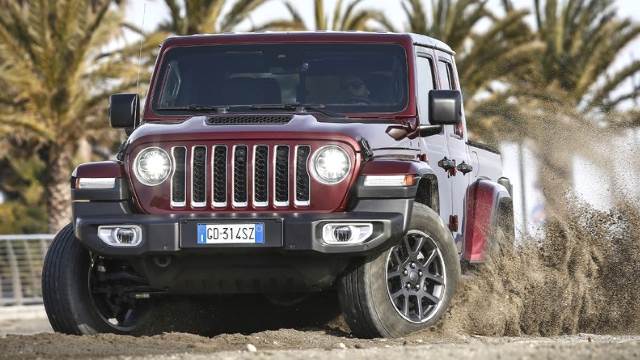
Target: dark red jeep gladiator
pixel 281 164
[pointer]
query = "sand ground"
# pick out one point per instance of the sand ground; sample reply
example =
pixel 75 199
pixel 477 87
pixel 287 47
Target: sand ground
pixel 26 334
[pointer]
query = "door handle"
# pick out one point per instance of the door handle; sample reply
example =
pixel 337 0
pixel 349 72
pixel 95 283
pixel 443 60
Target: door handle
pixel 449 165
pixel 464 168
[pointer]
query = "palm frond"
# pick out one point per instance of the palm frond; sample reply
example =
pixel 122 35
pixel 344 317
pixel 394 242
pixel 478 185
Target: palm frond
pixel 601 94
pixel 239 11
pixel 319 15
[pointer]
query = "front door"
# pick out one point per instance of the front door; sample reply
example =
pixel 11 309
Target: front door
pixel 435 146
pixel 457 149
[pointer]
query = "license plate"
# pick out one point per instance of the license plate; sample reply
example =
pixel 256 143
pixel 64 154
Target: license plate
pixel 230 234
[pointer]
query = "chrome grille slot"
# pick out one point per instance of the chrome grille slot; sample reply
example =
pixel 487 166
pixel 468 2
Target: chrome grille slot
pixel 302 184
pixel 240 155
pixel 260 175
pixel 178 179
pixel 281 176
pixel 198 177
pixel 219 176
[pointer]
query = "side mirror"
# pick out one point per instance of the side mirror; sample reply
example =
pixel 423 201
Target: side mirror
pixel 124 111
pixel 445 107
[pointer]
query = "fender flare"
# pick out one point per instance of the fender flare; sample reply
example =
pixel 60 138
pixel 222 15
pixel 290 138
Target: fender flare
pixel 420 169
pixel 396 166
pixel 99 169
pixel 483 200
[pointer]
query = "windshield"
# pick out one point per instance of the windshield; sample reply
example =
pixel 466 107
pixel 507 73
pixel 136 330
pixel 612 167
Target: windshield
pixel 343 78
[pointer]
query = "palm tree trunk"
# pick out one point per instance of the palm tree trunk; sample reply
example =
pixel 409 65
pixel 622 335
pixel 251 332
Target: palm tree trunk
pixel 554 177
pixel 58 190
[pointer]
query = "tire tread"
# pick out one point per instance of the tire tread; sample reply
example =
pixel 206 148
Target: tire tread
pixel 359 320
pixel 55 302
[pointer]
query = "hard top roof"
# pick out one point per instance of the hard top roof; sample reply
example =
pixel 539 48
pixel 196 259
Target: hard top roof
pixel 417 39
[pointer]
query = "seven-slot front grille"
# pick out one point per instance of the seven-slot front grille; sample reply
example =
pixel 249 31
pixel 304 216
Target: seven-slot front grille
pixel 240 176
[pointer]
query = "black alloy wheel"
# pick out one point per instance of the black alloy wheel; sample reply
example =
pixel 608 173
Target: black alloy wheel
pixel 416 277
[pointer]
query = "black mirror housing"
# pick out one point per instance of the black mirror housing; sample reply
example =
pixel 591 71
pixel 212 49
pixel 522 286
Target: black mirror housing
pixel 124 111
pixel 445 107
pixel 429 130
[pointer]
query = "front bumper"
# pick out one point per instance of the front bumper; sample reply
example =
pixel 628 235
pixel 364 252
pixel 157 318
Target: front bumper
pixel 291 232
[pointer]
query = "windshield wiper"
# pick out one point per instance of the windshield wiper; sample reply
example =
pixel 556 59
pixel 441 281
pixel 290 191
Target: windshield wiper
pixel 197 108
pixel 298 107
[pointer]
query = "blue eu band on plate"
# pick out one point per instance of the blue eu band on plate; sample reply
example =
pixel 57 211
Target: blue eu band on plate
pixel 231 233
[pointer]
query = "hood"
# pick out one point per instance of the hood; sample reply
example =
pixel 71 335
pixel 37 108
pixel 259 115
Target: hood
pixel 279 126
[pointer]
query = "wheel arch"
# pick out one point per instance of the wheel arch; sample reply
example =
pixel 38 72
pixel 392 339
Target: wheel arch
pixel 428 193
pixel 486 202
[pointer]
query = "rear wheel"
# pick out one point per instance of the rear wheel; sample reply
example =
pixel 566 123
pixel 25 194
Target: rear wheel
pixel 84 294
pixel 406 288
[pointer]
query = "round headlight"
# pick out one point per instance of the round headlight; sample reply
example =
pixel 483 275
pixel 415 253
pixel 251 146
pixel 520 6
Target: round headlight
pixel 152 166
pixel 330 164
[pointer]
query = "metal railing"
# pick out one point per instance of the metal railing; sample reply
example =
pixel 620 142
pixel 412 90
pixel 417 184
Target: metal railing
pixel 21 260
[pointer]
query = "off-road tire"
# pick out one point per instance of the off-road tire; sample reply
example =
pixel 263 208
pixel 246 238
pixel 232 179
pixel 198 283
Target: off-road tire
pixel 363 294
pixel 65 291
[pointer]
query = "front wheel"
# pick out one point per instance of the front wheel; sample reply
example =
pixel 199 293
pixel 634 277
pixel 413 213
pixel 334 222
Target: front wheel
pixel 88 295
pixel 406 288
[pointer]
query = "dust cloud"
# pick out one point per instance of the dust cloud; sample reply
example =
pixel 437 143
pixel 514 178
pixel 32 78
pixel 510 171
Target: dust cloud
pixel 582 277
pixel 583 273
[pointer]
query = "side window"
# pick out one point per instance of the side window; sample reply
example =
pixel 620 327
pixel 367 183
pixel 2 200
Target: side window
pixel 426 83
pixel 445 74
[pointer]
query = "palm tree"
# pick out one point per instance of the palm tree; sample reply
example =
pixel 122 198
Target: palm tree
pixel 568 90
pixel 346 16
pixel 482 57
pixel 55 81
pixel 451 21
pixel 583 39
pixel 187 17
pixel 574 71
pixel 206 16
pixel 23 209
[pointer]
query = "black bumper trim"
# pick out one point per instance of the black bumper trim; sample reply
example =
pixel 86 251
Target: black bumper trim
pixel 164 234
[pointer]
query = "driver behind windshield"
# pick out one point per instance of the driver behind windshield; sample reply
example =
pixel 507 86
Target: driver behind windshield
pixel 356 90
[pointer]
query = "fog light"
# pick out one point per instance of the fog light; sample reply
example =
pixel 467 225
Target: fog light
pixel 346 233
pixel 342 233
pixel 125 236
pixel 120 235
